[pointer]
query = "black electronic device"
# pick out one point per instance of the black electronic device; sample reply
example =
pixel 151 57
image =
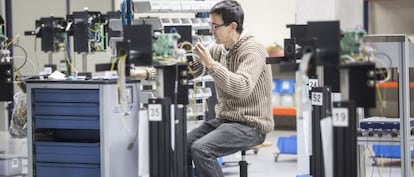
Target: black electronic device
pixel 327 35
pixel 358 83
pixel 52 32
pixel 297 36
pixel 137 45
pixel 185 32
pixel 89 32
pixel 6 81
pixel 109 16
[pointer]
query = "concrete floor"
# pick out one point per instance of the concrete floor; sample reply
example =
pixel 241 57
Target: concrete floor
pixel 261 164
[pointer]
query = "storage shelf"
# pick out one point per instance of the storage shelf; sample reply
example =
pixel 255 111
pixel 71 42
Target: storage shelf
pixel 392 85
pixel 284 111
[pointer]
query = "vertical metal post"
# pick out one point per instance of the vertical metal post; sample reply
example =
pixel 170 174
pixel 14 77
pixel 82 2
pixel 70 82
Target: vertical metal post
pixel 50 57
pixel 67 6
pixel 84 62
pixel 345 140
pixel 319 112
pixel 404 108
pixel 9 20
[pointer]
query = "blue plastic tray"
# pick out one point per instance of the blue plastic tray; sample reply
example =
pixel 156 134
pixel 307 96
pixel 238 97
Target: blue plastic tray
pixel 388 151
pixel 287 145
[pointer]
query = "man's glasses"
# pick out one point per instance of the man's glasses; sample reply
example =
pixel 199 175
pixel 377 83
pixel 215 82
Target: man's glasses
pixel 215 26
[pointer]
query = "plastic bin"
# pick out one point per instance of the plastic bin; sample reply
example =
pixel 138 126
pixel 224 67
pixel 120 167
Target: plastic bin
pixel 284 86
pixel 287 145
pixel 388 151
pixel 10 165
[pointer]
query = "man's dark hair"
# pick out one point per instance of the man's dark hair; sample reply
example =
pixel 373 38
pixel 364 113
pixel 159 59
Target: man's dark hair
pixel 230 11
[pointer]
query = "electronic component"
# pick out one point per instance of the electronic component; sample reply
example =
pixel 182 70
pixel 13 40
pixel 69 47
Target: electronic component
pixel 381 127
pixel 137 45
pixel 358 84
pixel 88 31
pixel 185 32
pixel 6 81
pixel 52 32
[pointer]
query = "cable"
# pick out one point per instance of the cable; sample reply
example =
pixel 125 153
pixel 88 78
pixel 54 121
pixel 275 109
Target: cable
pixel 191 71
pixel 25 55
pixel 12 41
pixel 68 55
pixel 31 62
pixel 386 56
pixel 386 79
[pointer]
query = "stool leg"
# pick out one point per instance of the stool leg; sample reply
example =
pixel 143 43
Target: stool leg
pixel 243 165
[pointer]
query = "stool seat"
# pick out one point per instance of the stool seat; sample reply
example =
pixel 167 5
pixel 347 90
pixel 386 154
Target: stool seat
pixel 264 144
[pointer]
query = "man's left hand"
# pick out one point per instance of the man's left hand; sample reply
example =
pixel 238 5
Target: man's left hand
pixel 204 55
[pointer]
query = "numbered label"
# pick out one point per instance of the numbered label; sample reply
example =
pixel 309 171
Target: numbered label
pixel 317 98
pixel 340 117
pixel 154 112
pixel 313 83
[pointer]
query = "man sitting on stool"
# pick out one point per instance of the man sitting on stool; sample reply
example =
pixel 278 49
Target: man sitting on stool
pixel 237 63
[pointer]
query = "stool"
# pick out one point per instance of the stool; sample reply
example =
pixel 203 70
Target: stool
pixel 243 163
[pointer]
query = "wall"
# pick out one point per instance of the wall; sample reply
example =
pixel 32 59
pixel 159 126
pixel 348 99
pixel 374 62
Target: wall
pixel 349 12
pixel 392 16
pixel 24 16
pixel 266 20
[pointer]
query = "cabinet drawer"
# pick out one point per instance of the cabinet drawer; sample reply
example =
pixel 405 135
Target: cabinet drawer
pixel 67 122
pixel 67 109
pixel 66 95
pixel 67 152
pixel 67 170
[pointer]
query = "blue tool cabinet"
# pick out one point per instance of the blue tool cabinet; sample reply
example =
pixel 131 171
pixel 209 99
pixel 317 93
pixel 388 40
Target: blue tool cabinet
pixel 75 129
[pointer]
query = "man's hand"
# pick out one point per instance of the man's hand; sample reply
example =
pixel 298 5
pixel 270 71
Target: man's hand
pixel 204 55
pixel 140 74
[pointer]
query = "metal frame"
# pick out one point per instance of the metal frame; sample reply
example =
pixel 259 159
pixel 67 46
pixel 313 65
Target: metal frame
pixel 403 93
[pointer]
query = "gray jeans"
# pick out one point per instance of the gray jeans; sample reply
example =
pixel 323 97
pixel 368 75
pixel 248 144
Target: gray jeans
pixel 217 138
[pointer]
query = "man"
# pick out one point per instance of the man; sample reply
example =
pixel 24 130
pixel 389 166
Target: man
pixel 243 82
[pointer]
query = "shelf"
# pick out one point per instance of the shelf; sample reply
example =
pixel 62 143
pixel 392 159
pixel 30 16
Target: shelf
pixel 392 85
pixel 284 111
pixel 172 7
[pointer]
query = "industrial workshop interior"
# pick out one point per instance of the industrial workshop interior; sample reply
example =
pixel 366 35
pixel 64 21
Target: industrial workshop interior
pixel 206 88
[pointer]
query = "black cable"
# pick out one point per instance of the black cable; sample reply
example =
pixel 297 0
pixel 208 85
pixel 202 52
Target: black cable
pixel 25 56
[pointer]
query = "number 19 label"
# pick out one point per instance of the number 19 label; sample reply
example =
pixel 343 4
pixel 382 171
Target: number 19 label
pixel 340 117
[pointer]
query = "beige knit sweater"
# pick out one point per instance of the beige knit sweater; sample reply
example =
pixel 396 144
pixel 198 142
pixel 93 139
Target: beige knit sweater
pixel 243 83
